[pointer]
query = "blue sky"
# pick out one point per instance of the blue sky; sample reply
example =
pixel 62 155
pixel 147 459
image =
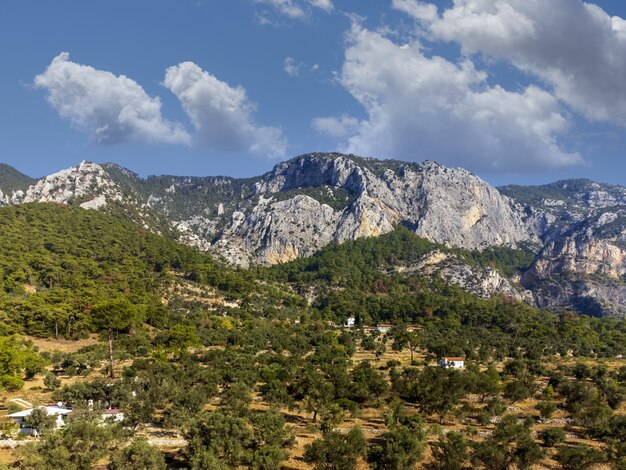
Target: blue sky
pixel 518 91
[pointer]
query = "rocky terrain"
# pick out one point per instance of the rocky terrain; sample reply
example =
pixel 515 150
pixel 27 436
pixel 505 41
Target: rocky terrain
pixel 577 228
pixel 582 225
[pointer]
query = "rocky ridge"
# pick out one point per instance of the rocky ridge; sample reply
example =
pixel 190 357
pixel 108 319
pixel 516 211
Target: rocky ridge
pixel 577 227
pixel 448 206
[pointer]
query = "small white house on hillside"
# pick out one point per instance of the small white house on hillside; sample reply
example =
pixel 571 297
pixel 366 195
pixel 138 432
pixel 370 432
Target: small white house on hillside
pixel 55 410
pixel 449 362
pixel 112 415
pixel 350 322
pixel 109 415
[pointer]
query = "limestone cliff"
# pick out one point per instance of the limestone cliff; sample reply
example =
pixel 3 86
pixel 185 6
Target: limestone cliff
pixel 582 265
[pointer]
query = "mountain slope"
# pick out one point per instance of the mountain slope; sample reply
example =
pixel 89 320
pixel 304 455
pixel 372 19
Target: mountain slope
pixel 11 181
pixel 56 262
pixel 362 263
pixel 299 207
pixel 577 227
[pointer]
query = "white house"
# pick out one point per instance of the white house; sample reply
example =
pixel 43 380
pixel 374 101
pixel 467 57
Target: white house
pixel 112 414
pixel 350 322
pixel 55 410
pixel 448 362
pixel 384 327
pixel 108 415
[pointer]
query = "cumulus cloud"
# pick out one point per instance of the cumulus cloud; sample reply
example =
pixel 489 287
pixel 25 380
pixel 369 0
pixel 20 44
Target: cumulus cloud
pixel 112 109
pixel 422 107
pixel 221 114
pixel 297 8
pixel 574 47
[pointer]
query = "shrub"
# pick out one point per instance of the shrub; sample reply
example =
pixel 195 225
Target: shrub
pixel 552 436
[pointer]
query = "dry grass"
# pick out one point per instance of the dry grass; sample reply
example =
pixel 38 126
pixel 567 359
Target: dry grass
pixel 52 345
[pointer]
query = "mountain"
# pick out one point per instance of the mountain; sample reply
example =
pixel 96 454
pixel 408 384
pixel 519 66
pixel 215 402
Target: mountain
pixel 12 180
pixel 297 208
pixel 575 228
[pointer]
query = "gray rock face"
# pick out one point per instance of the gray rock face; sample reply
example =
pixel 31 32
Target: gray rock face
pixel 462 210
pixel 278 232
pixel 582 265
pixel 449 206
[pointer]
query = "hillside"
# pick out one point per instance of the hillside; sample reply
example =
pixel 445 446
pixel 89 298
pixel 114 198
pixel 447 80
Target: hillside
pixel 582 264
pixel 300 206
pixel 255 356
pixel 56 262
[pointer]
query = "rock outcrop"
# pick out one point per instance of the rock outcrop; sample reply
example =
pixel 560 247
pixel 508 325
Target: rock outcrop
pixel 86 184
pixel 582 264
pixel 480 280
pixel 448 206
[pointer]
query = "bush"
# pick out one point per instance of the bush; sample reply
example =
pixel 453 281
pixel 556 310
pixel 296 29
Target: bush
pixel 51 381
pixel 139 455
pixel 546 408
pixel 336 451
pixel 450 451
pixel 400 449
pixel 552 436
pixel 9 428
pixel 578 457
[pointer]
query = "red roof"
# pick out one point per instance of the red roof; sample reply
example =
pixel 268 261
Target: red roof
pixel 447 358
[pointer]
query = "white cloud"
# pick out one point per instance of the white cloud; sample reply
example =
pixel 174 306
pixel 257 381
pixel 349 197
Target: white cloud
pixel 112 109
pixel 418 10
pixel 337 127
pixel 575 47
pixel 429 108
pixel 326 5
pixel 291 68
pixel 221 114
pixel 297 8
pixel 294 69
pixel 286 7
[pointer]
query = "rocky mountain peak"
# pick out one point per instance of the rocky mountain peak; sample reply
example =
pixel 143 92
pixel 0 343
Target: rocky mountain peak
pixel 86 184
pixel 312 170
pixel 307 202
